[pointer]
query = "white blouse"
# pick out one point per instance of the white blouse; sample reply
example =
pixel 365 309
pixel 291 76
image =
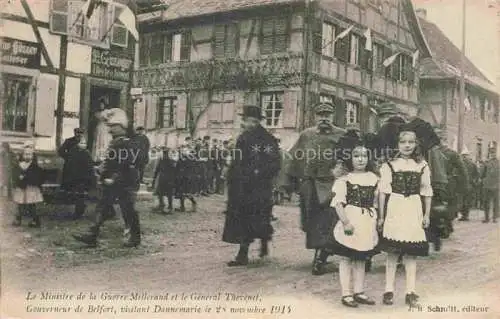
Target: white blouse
pixel 405 165
pixel 339 189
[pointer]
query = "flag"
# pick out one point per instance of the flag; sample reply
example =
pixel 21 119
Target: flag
pixel 368 36
pixel 344 33
pixel 415 58
pixel 127 17
pixel 390 60
pixel 467 104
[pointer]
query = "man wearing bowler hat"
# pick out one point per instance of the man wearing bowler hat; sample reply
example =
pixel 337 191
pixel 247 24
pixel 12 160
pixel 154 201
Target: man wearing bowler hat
pixel 312 170
pixel 255 163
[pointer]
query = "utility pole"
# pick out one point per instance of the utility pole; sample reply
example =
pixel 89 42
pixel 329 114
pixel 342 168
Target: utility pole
pixel 461 105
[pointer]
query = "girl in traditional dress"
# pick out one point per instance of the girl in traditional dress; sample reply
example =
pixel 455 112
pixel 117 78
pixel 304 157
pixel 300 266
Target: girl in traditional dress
pixel 27 180
pixel 355 234
pixel 405 182
pixel 102 135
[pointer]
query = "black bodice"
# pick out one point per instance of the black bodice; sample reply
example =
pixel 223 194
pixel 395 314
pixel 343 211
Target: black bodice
pixel 406 183
pixel 360 195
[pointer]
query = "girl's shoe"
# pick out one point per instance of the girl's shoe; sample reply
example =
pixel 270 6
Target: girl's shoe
pixel 411 299
pixel 363 299
pixel 388 298
pixel 349 301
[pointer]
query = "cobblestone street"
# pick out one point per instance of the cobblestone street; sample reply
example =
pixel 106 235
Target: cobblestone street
pixel 192 259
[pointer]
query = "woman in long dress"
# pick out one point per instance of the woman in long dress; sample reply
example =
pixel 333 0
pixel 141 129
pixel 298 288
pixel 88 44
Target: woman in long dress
pixel 102 135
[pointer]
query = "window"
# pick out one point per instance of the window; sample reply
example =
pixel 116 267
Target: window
pixel 223 106
pixel 119 33
pixel 482 108
pixel 166 112
pixel 185 53
pixel 352 110
pixel 342 47
pixel 67 17
pixel 328 43
pixel 354 57
pixel 144 46
pixel 272 104
pixel 274 37
pixel 226 40
pixel 157 49
pixel 15 98
pixel 378 57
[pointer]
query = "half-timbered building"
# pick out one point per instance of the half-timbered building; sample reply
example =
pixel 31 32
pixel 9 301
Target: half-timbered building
pixel 200 61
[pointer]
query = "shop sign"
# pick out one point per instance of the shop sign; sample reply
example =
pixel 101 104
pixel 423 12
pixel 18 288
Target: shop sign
pixel 20 53
pixel 110 65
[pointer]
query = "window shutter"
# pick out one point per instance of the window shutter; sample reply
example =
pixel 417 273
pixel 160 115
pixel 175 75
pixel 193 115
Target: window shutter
pixel 152 108
pixel 168 55
pixel 157 50
pixel 319 29
pixel 46 96
pixel 231 40
pixel 267 35
pixel 186 46
pixel 219 34
pixel 119 33
pixel 290 106
pixel 181 110
pixel 228 112
pixel 339 111
pixel 140 112
pixel 387 54
pixel 281 34
pixel 59 16
pixel 176 47
pixel 144 44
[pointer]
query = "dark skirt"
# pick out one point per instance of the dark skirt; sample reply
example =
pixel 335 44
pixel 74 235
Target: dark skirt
pixel 404 248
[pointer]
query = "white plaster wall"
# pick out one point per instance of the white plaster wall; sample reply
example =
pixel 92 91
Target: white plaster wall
pixel 17 30
pixel 79 58
pixel 48 143
pixel 39 8
pixel 52 43
pixel 69 124
pixel 72 95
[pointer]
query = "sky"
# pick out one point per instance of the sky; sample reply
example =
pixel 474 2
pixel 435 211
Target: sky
pixel 482 30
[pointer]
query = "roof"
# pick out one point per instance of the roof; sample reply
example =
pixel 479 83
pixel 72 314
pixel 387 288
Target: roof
pixel 192 8
pixel 446 58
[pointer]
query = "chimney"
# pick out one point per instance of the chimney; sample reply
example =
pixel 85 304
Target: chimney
pixel 421 13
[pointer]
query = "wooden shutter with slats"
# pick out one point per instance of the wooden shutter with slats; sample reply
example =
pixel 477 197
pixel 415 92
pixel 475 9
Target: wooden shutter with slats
pixel 181 111
pixel 290 108
pixel 46 96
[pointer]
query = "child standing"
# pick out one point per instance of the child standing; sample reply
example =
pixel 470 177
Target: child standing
pixel 355 233
pixel 405 182
pixel 28 178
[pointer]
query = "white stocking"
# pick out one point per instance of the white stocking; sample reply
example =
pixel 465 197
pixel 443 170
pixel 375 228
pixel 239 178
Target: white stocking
pixel 345 276
pixel 411 273
pixel 359 276
pixel 390 271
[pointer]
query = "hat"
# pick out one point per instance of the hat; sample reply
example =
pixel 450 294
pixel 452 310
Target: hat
pixel 324 107
pixel 206 137
pixel 117 116
pixel 387 108
pixel 78 130
pixel 252 111
pixel 140 128
pixel 465 152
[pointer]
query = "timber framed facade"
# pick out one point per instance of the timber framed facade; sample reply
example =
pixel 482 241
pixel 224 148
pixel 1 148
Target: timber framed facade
pixel 56 64
pixel 198 66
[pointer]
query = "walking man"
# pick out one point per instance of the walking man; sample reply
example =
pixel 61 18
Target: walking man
pixel 250 187
pixel 490 186
pixel 469 199
pixel 143 145
pixel 315 175
pixel 120 180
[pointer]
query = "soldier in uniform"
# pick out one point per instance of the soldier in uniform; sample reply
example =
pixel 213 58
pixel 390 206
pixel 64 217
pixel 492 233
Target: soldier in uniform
pixel 121 181
pixel 313 175
pixel 469 199
pixel 457 181
pixel 386 111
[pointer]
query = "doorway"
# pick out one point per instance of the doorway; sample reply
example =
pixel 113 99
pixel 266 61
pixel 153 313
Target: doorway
pixel 100 96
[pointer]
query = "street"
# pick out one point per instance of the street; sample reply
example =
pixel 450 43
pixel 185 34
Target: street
pixel 185 254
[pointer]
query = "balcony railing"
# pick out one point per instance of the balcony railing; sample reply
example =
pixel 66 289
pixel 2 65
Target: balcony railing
pixel 230 73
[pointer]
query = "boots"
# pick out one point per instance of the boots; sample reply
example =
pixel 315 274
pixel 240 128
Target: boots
pixel 264 248
pixel 35 223
pixel 242 257
pixel 133 241
pixel 319 262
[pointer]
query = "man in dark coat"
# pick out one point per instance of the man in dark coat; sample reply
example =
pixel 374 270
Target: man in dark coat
pixel 67 148
pixel 311 170
pixel 143 145
pixel 458 180
pixel 469 198
pixel 250 184
pixel 490 186
pixel 121 181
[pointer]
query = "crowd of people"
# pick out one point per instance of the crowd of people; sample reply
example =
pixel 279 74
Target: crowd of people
pixel 394 191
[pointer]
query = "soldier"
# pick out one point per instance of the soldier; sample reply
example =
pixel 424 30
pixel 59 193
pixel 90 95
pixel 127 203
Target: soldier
pixel 469 198
pixel 312 170
pixel 457 181
pixel 386 111
pixel 490 186
pixel 120 179
pixel 254 165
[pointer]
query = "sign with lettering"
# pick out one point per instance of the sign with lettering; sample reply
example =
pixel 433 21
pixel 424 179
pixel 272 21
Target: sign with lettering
pixel 110 65
pixel 20 53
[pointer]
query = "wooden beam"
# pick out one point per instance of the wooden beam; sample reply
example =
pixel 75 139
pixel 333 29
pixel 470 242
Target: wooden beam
pixel 31 19
pixel 61 89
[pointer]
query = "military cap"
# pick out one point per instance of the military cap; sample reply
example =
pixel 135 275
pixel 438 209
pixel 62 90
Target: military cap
pixel 324 107
pixel 387 108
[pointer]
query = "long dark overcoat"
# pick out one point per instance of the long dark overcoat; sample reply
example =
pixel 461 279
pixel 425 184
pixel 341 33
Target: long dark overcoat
pixel 311 164
pixel 79 176
pixel 255 164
